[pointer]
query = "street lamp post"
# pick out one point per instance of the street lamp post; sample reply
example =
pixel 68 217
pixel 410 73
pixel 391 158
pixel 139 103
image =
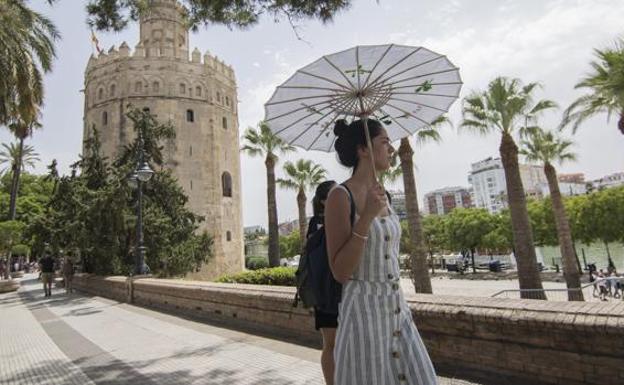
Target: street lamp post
pixel 142 174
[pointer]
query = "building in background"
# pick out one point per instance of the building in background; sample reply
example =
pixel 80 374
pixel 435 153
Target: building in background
pixel 198 96
pixel 397 199
pixel 533 178
pixel 442 201
pixel 613 180
pixel 487 179
pixel 569 185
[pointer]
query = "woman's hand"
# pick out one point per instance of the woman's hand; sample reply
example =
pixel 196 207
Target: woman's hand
pixel 375 201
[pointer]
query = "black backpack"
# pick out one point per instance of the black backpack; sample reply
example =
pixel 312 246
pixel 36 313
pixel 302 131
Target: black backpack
pixel 316 286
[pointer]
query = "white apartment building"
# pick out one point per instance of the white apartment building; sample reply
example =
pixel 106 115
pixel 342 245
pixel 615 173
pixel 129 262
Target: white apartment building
pixel 608 181
pixel 487 179
pixel 489 190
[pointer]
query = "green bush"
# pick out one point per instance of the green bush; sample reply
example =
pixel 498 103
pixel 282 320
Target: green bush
pixel 277 276
pixel 255 263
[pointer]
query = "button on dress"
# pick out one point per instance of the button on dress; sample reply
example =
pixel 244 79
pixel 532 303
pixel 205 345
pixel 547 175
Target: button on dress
pixel 377 342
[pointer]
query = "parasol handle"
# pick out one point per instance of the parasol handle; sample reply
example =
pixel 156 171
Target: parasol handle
pixel 369 144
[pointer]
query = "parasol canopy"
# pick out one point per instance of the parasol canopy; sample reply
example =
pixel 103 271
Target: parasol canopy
pixel 406 88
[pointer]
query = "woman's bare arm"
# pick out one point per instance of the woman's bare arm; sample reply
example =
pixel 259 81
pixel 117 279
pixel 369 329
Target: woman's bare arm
pixel 345 244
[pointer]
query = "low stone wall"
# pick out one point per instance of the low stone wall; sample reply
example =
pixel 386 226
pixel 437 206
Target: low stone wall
pixel 496 341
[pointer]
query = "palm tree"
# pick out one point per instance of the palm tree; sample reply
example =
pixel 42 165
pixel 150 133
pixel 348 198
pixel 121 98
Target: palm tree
pixel 22 129
pixel 263 142
pixel 503 108
pixel 606 89
pixel 418 261
pixel 26 50
pixel 10 157
pixel 392 174
pixel 546 147
pixel 302 175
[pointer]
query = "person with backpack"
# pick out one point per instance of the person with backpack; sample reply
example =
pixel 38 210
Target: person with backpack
pixel 325 321
pixel 377 341
pixel 47 273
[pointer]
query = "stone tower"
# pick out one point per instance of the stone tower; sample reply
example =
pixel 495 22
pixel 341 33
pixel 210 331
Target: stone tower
pixel 199 98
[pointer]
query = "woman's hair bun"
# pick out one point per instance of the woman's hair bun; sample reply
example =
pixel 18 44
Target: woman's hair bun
pixel 340 127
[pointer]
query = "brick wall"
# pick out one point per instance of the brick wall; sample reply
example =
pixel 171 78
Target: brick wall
pixel 496 341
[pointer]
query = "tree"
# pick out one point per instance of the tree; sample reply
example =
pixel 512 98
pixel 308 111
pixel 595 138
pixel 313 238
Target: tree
pixel 114 15
pixel 435 236
pixel 22 129
pixel 10 235
pixel 502 108
pixel 545 147
pixel 26 50
pixel 290 245
pixel 262 142
pixel 606 89
pixel 466 228
pixel 92 212
pixel 418 256
pixel 10 157
pixel 601 217
pixel 302 175
pixel 392 174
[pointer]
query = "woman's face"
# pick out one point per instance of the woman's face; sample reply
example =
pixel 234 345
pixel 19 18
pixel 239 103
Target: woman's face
pixel 382 151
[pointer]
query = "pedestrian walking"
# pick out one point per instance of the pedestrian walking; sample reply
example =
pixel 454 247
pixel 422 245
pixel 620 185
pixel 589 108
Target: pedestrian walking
pixel 68 274
pixel 325 321
pixel 377 341
pixel 47 273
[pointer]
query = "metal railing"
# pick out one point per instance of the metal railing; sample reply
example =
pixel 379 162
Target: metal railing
pixel 612 291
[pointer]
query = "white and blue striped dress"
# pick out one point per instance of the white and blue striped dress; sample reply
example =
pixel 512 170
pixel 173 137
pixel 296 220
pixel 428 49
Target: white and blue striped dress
pixel 377 342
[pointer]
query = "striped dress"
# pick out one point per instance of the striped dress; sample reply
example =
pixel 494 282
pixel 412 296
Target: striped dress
pixel 377 342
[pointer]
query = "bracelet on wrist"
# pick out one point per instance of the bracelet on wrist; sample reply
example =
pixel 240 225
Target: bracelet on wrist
pixel 365 238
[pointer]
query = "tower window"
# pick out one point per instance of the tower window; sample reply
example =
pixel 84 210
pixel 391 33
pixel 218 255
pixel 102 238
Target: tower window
pixel 104 118
pixel 112 90
pixel 227 101
pixel 218 97
pixel 138 86
pixel 198 91
pixel 224 122
pixel 190 116
pixel 228 235
pixel 190 150
pixel 191 184
pixel 156 86
pixel 100 94
pixel 226 182
pixel 182 88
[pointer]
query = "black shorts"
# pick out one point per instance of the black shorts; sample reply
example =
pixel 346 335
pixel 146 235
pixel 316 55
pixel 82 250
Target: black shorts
pixel 325 320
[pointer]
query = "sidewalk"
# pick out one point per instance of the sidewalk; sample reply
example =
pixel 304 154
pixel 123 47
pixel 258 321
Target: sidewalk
pixel 91 340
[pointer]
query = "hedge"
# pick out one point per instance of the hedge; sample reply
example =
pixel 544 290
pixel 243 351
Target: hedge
pixel 277 276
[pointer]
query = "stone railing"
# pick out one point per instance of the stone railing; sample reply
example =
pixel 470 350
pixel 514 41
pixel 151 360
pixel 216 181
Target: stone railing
pixel 495 341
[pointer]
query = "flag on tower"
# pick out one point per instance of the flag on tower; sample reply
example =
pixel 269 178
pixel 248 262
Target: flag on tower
pixel 95 42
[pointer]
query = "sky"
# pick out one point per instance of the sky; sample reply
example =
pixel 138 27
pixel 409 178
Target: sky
pixel 548 41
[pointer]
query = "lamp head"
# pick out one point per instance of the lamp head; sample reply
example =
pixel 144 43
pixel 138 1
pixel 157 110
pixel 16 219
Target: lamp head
pixel 144 173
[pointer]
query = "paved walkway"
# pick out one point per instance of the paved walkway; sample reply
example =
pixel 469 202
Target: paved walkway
pixel 91 340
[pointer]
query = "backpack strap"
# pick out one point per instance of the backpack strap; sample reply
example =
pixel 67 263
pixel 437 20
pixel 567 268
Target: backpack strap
pixel 352 202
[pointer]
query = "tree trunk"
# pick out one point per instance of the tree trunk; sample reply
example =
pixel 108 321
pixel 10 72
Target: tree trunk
pixel 609 260
pixel 17 170
pixel 474 268
pixel 418 258
pixel 274 257
pixel 571 272
pixel 621 122
pixel 301 204
pixel 528 273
